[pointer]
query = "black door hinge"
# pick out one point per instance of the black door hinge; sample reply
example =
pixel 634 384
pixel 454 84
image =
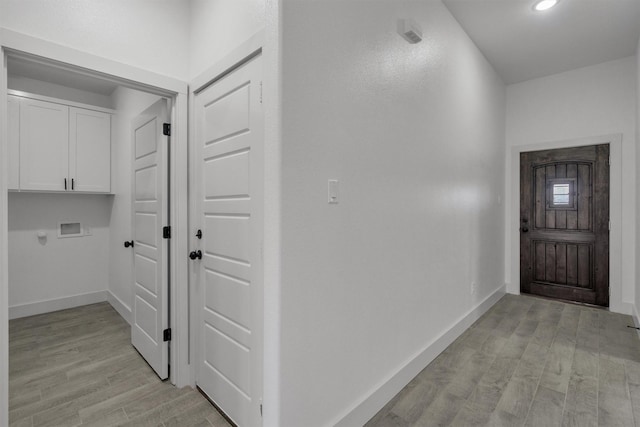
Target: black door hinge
pixel 166 232
pixel 166 129
pixel 166 335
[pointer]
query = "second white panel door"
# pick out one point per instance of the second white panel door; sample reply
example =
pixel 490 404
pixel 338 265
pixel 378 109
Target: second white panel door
pixel 229 194
pixel 150 309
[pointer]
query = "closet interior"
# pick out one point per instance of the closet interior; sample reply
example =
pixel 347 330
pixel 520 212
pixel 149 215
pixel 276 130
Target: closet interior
pixel 70 187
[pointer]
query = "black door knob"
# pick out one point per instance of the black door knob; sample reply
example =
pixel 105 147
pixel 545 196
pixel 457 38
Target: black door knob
pixel 525 229
pixel 128 244
pixel 195 254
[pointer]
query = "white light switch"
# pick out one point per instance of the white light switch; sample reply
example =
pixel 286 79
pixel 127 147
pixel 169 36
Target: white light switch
pixel 333 191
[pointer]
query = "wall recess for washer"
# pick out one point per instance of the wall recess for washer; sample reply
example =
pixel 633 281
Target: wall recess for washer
pixel 70 229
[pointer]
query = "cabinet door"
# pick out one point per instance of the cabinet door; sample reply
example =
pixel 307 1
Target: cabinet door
pixel 13 129
pixel 90 150
pixel 44 145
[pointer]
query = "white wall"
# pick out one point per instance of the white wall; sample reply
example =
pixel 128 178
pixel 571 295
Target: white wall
pixel 591 101
pixel 149 34
pixel 415 134
pixel 637 178
pixel 128 103
pixel 216 27
pixel 54 268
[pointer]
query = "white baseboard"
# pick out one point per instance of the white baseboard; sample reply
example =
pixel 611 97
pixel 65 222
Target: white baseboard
pixel 362 412
pixel 119 306
pixel 40 307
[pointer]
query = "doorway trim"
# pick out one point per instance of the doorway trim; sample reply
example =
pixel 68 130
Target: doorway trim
pixel 126 75
pixel 512 234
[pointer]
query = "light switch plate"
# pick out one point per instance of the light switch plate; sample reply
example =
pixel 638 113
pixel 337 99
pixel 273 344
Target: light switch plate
pixel 333 191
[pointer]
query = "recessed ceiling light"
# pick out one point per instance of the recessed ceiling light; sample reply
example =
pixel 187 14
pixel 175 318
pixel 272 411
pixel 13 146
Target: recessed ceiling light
pixel 544 5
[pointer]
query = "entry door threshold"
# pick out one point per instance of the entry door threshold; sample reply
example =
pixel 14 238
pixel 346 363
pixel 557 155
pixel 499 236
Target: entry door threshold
pixel 583 304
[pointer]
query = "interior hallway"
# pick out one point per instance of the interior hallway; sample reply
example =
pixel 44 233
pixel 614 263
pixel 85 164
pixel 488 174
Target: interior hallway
pixel 529 361
pixel 77 367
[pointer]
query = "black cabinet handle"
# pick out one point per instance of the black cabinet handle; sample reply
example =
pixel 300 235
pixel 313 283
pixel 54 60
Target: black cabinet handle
pixel 65 183
pixel 195 254
pixel 72 183
pixel 128 244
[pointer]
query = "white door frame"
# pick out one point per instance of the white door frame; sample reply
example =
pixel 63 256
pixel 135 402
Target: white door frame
pixel 512 236
pixel 176 90
pixel 247 50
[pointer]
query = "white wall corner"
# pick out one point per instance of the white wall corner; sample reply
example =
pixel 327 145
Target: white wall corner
pixel 625 308
pixel 377 398
pixel 511 288
pixel 47 306
pixel 118 305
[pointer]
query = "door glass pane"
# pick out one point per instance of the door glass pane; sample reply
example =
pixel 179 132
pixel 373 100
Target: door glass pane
pixel 560 194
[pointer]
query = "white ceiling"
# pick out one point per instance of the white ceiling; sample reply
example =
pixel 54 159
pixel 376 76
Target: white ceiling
pixel 522 44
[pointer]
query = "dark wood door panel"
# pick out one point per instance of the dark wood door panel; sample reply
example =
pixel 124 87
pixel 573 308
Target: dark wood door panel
pixel 577 216
pixel 564 236
pixel 564 264
pixel 552 290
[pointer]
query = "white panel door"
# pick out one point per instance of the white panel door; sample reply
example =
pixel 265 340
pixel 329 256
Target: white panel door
pixel 13 134
pixel 89 150
pixel 150 208
pixel 44 145
pixel 229 193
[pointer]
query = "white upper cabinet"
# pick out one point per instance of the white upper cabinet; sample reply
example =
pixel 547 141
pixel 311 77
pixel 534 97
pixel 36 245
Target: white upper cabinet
pixel 90 150
pixel 13 125
pixel 58 147
pixel 44 145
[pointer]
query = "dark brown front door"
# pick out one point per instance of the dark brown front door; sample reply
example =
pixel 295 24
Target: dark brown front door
pixel 564 224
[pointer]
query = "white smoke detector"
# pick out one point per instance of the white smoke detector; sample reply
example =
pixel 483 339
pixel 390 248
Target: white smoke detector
pixel 409 30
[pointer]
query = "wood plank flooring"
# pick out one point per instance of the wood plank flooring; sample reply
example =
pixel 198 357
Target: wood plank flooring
pixel 528 362
pixel 77 367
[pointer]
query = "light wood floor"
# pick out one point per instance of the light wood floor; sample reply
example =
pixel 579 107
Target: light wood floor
pixel 531 362
pixel 528 361
pixel 77 367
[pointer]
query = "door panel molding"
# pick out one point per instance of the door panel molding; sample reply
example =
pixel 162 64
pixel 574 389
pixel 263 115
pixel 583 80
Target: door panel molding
pixel 512 234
